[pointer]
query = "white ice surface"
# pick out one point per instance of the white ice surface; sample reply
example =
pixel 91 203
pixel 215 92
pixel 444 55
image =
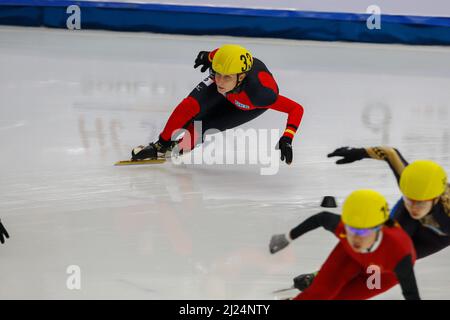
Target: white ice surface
pixel 73 103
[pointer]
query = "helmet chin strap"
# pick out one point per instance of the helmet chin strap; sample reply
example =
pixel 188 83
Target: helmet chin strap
pixel 238 83
pixel 377 242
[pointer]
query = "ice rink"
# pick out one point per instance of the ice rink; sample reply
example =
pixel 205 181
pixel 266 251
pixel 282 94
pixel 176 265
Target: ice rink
pixel 74 102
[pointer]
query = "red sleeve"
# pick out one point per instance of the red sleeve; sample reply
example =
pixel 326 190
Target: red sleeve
pixel 294 111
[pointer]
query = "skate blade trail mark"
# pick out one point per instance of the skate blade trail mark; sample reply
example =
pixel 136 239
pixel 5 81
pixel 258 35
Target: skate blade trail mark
pixel 11 126
pixel 139 162
pixel 283 290
pixel 285 294
pixel 136 285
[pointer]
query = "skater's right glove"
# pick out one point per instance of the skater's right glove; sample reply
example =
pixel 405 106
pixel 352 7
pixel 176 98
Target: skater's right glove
pixel 203 60
pixel 349 154
pixel 279 242
pixel 3 233
pixel 285 147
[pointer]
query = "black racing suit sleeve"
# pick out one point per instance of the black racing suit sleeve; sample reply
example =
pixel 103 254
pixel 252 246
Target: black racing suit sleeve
pixel 327 220
pixel 406 278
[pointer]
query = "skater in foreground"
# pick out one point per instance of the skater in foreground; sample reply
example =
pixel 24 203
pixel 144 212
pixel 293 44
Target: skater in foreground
pixel 370 246
pixel 424 209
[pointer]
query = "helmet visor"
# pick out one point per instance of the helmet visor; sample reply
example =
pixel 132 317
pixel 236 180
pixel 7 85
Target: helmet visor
pixel 361 232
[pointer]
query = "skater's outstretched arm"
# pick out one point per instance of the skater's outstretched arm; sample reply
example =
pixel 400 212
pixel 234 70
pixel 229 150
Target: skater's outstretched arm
pixel 391 155
pixel 327 220
pixel 295 114
pixel 406 278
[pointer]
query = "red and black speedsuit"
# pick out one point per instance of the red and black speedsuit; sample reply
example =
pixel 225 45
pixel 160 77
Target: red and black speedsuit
pixel 344 274
pixel 252 97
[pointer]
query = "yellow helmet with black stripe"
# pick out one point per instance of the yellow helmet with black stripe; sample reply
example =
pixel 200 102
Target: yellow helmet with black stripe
pixel 364 209
pixel 232 59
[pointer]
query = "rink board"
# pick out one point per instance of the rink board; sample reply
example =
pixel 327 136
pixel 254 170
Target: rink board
pixel 208 20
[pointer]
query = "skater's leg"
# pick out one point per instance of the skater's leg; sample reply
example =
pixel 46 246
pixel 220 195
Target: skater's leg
pixel 180 117
pixel 230 117
pixel 338 270
pixel 358 288
pixel 198 104
pixel 222 116
pixel 190 140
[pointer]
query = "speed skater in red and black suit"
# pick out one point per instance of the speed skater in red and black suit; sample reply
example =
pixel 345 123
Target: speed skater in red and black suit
pixel 239 88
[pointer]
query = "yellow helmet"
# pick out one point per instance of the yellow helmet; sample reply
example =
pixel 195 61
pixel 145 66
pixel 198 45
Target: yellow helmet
pixel 423 180
pixel 364 209
pixel 232 59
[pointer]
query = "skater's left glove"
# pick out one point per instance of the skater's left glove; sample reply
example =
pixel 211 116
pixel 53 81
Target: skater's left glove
pixel 3 233
pixel 279 242
pixel 202 60
pixel 285 146
pixel 348 154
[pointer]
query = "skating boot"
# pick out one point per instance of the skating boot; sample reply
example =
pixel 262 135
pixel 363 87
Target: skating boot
pixel 303 281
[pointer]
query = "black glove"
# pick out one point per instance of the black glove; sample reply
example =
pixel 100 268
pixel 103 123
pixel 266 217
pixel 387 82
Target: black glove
pixel 349 154
pixel 3 233
pixel 285 146
pixel 203 60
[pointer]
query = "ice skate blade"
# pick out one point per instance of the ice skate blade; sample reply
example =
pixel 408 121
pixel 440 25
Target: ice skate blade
pixel 139 162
